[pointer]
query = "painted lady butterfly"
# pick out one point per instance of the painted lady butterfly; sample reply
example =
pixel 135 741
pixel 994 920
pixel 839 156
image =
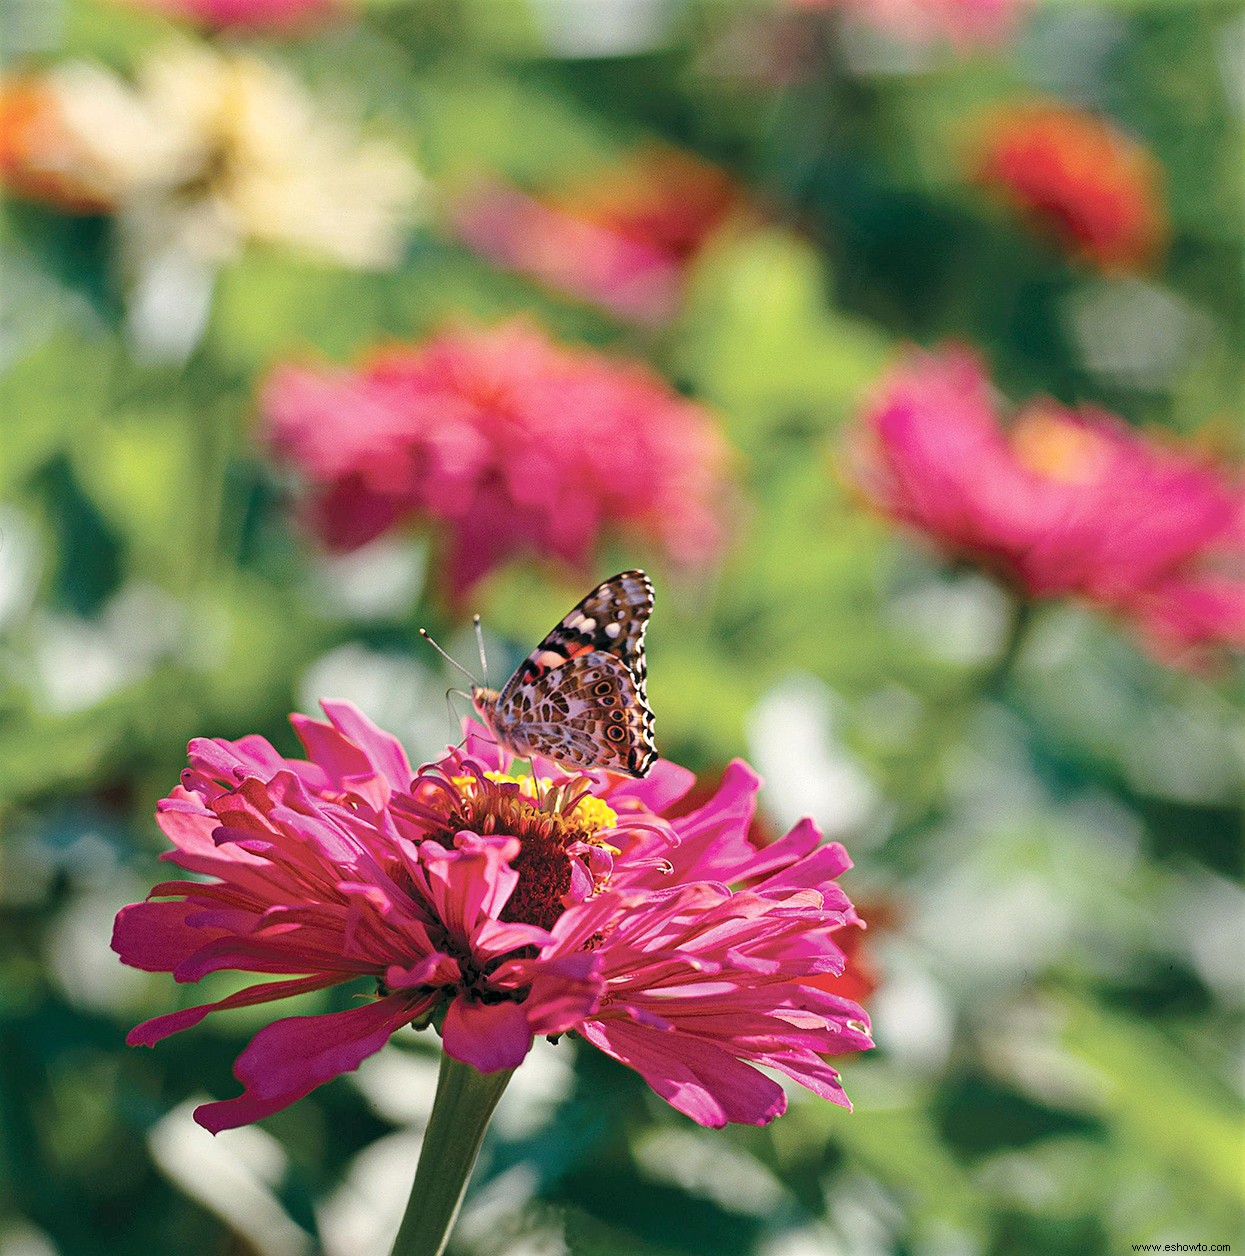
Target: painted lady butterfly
pixel 578 698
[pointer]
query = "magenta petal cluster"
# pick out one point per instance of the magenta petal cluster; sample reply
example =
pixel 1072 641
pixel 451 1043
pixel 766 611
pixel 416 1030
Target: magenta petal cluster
pixel 506 443
pixel 964 24
pixel 623 237
pixel 500 910
pixel 247 14
pixel 1061 503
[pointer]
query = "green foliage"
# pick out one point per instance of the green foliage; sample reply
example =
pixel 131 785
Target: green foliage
pixel 1055 850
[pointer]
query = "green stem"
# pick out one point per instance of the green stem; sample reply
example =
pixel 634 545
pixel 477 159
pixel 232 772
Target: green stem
pixel 460 1115
pixel 992 681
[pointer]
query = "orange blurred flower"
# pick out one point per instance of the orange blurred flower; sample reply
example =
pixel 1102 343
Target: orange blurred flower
pixel 43 155
pixel 1078 178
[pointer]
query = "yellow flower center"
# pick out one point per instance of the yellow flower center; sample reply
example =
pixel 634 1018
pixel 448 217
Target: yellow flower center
pixel 547 819
pixel 588 815
pixel 1053 447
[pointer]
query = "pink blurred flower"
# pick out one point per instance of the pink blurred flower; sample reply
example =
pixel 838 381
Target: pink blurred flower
pixel 249 14
pixel 508 442
pixel 962 23
pixel 622 240
pixel 1061 503
pixel 458 894
pixel 1078 178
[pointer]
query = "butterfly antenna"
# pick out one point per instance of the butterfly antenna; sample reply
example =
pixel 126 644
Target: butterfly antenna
pixel 453 662
pixel 449 707
pixel 475 619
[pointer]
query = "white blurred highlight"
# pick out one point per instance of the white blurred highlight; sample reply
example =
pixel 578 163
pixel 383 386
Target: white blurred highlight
pixel 170 302
pixel 702 1164
pixel 20 562
pixel 536 1090
pixel 364 1212
pixel 958 621
pixel 395 692
pixel 25 1242
pixel 80 662
pixel 911 1012
pixel 377 581
pixel 233 1175
pixel 399 1085
pixel 78 948
pixel 793 739
pixel 1134 330
pixel 814 1240
pixel 603 28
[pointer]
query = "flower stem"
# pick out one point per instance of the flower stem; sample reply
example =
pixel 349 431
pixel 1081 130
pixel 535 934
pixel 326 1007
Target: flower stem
pixel 1019 622
pixel 460 1115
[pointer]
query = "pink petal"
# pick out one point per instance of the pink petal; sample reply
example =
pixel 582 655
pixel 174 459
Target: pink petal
pixel 488 1036
pixel 155 937
pixel 665 784
pixel 713 840
pixel 160 1027
pixel 290 1058
pixel 699 1079
pixel 384 752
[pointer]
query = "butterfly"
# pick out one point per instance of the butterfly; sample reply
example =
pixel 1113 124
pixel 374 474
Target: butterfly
pixel 579 698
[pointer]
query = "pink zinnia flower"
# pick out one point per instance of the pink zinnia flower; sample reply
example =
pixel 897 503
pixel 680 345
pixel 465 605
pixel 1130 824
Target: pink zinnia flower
pixel 673 945
pixel 248 14
pixel 622 240
pixel 1078 178
pixel 508 443
pixel 1060 502
pixel 962 23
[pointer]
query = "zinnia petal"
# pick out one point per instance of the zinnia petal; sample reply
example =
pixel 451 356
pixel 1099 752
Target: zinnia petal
pixel 290 1058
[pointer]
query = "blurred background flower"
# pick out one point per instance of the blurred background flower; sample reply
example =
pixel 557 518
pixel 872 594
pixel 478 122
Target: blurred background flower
pixel 507 442
pixel 205 152
pixel 621 238
pixel 1053 818
pixel 1095 191
pixel 283 15
pixel 961 23
pixel 1060 502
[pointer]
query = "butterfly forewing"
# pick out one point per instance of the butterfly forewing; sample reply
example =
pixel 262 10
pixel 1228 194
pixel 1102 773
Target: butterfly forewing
pixel 579 697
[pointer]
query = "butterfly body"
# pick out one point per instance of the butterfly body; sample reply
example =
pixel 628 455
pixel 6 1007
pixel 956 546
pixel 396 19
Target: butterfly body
pixel 579 698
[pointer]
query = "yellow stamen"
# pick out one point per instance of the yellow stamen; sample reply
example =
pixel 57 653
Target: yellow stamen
pixel 589 814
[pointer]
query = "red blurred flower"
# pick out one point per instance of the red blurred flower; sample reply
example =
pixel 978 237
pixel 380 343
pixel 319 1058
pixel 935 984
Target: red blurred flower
pixel 622 240
pixel 248 14
pixel 509 443
pixel 1060 502
pixel 963 23
pixel 460 894
pixel 1078 177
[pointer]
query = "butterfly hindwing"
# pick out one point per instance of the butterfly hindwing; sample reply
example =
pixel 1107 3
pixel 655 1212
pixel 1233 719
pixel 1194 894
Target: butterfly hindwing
pixel 589 713
pixel 579 697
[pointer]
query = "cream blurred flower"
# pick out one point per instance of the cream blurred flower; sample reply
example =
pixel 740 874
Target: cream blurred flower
pixel 208 149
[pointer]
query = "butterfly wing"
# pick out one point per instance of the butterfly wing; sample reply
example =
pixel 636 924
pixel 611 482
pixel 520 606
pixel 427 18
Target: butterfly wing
pixel 579 697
